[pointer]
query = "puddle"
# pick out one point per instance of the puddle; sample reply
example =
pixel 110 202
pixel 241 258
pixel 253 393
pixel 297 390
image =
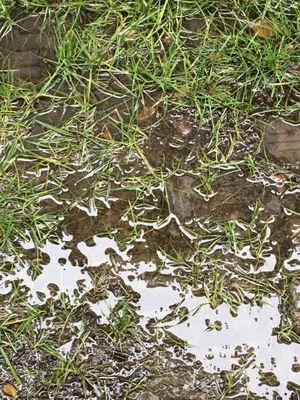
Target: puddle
pixel 293 262
pixel 59 274
pixel 103 308
pixel 150 305
pixel 218 339
pixel 166 206
pixel 160 291
pixel 282 140
pixel 98 254
pixel 245 344
pixel 244 341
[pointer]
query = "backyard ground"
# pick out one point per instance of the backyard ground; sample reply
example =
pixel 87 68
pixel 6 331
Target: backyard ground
pixel 150 199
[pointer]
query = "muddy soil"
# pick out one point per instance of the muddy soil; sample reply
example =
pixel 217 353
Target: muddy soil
pixel 27 49
pixel 282 140
pixel 161 279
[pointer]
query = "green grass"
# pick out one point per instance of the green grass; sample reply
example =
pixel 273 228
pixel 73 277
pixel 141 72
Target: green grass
pixel 223 74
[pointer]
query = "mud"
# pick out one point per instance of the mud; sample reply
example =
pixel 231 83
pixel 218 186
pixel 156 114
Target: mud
pixel 26 49
pixel 91 261
pixel 282 140
pixel 170 268
pixel 230 196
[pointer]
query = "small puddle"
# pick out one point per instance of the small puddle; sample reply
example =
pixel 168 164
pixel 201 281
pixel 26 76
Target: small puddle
pixel 58 274
pixel 293 262
pixel 155 300
pixel 97 253
pixel 245 341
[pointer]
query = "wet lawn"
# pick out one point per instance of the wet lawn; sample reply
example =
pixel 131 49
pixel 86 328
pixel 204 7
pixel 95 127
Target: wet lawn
pixel 150 199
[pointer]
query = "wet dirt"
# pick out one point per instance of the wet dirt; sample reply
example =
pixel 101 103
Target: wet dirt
pixel 26 49
pixel 94 270
pixel 282 140
pixel 93 262
pixel 227 197
pixel 171 289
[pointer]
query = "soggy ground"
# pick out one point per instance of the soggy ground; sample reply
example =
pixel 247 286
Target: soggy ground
pixel 150 200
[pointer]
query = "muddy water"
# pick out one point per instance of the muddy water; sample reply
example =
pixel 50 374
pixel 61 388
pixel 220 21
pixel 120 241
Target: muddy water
pixel 244 343
pixel 202 264
pixel 282 140
pixel 209 288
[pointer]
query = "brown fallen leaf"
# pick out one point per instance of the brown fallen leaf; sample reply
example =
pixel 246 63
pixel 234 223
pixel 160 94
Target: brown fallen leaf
pixel 281 177
pixel 264 28
pixel 146 113
pixel 106 133
pixel 290 46
pixel 10 390
pixel 167 41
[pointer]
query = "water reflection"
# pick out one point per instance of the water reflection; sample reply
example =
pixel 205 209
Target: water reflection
pixel 218 339
pixel 57 276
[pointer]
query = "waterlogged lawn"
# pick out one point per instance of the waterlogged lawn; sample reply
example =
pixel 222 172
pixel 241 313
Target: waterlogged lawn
pixel 149 200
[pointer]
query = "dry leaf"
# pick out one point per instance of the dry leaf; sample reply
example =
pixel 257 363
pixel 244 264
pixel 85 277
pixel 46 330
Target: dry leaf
pixel 281 177
pixel 146 113
pixel 290 46
pixel 10 390
pixel 106 133
pixel 167 41
pixel 264 28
